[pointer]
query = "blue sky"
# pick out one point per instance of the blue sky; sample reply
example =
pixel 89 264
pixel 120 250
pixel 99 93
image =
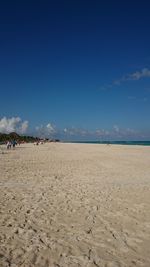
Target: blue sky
pixel 75 69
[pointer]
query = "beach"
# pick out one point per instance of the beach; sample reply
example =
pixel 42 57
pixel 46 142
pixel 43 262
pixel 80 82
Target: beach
pixel 64 204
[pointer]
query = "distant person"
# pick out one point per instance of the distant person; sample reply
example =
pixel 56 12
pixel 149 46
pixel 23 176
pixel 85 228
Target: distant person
pixel 8 145
pixel 14 143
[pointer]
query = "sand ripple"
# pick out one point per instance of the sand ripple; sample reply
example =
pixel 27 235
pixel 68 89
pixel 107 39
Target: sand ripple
pixel 75 205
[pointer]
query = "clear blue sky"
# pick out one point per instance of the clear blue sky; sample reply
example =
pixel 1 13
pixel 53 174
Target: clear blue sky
pixel 77 65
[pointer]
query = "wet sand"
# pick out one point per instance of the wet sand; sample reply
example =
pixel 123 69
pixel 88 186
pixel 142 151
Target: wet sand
pixel 75 205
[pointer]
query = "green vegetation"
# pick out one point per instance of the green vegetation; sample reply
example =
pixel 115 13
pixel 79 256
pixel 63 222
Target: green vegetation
pixel 19 138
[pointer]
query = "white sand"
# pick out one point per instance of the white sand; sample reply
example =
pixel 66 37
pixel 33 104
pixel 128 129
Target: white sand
pixel 75 205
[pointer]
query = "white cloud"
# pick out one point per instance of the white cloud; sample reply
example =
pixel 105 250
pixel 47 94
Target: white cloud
pixel 65 130
pixel 116 128
pixel 134 98
pixel 135 76
pixel 23 128
pixel 73 131
pixel 14 124
pixel 48 130
pixel 123 133
pixel 139 74
pixel 101 133
pixel 115 133
pixel 79 132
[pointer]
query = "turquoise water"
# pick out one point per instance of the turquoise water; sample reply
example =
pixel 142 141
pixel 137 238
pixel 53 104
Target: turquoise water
pixel 140 143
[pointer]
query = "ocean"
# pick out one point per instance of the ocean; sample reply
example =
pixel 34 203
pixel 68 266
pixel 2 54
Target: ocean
pixel 133 143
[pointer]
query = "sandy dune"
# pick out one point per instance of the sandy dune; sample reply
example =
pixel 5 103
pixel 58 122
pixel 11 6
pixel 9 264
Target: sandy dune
pixel 75 205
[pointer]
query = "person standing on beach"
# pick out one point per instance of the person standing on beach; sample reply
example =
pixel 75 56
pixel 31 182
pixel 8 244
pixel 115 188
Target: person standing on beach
pixel 14 143
pixel 8 145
